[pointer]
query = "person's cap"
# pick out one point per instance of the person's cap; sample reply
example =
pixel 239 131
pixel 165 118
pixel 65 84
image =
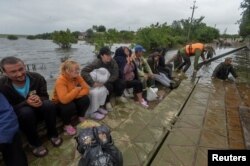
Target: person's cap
pixel 105 50
pixel 139 48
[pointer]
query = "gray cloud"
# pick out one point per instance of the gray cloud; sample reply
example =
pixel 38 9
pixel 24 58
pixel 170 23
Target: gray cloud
pixel 36 16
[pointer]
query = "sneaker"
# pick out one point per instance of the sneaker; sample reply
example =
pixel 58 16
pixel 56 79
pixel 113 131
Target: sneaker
pixel 102 111
pixel 109 107
pixel 122 99
pixel 70 130
pixel 144 103
pixel 81 119
pixel 97 116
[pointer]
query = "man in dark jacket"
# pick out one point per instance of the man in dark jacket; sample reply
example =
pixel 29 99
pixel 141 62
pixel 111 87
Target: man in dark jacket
pixel 27 93
pixel 10 141
pixel 224 69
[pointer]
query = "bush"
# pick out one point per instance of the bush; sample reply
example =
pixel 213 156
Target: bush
pixel 64 38
pixel 12 37
pixel 30 37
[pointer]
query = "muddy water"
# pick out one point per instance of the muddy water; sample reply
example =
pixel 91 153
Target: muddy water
pixel 44 56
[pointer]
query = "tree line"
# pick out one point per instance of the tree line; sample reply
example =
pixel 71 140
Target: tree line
pixel 151 37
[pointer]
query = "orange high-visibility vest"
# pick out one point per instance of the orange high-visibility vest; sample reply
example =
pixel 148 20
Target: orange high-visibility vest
pixel 190 48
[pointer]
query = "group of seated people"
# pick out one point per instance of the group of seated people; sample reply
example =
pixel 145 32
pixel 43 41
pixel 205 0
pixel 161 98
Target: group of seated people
pixel 83 92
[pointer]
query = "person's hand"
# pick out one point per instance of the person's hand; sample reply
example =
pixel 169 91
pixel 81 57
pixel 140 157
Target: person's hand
pixel 145 77
pixel 97 84
pixel 151 76
pixel 129 60
pixel 79 87
pixel 34 101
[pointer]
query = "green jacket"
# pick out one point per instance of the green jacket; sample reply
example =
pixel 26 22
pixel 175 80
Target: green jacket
pixel 142 66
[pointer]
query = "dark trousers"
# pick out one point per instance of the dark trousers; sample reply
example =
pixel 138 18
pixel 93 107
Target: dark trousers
pixel 167 70
pixel 186 63
pixel 135 84
pixel 13 153
pixel 78 106
pixel 29 116
pixel 118 87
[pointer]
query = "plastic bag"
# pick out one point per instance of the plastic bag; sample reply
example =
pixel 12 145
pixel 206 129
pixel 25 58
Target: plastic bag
pixel 152 94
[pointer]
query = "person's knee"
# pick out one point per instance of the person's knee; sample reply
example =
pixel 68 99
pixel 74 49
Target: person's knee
pixel 138 87
pixel 84 99
pixel 109 86
pixel 48 104
pixel 67 107
pixel 26 114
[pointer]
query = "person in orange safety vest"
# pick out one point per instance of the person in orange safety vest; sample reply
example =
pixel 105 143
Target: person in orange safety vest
pixel 195 49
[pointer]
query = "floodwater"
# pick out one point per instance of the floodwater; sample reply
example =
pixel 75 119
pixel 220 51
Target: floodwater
pixel 44 56
pixel 241 62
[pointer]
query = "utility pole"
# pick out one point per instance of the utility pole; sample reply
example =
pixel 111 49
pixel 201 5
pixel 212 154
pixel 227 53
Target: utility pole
pixel 191 20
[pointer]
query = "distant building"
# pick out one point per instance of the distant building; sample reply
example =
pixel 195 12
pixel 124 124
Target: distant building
pixel 82 36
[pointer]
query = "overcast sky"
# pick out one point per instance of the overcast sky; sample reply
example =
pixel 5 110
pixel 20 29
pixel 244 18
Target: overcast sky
pixel 40 16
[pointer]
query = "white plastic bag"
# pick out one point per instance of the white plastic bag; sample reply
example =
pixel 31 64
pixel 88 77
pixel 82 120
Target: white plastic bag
pixel 152 94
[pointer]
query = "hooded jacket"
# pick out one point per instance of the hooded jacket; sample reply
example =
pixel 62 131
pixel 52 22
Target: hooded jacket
pixel 121 59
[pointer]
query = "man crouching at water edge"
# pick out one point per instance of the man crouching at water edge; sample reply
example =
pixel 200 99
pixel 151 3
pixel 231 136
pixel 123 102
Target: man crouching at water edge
pixel 27 93
pixel 224 69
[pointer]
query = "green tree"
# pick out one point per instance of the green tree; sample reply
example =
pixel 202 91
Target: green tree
pixel 12 37
pixel 207 34
pixel 245 20
pixel 76 34
pixel 155 36
pixel 101 28
pixel 89 33
pixel 64 38
pixel 126 36
pixel 31 37
pixel 44 36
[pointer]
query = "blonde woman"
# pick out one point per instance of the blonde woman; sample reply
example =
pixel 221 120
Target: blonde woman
pixel 71 94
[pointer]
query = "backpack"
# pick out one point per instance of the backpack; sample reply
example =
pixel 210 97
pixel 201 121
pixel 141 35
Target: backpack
pixel 97 148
